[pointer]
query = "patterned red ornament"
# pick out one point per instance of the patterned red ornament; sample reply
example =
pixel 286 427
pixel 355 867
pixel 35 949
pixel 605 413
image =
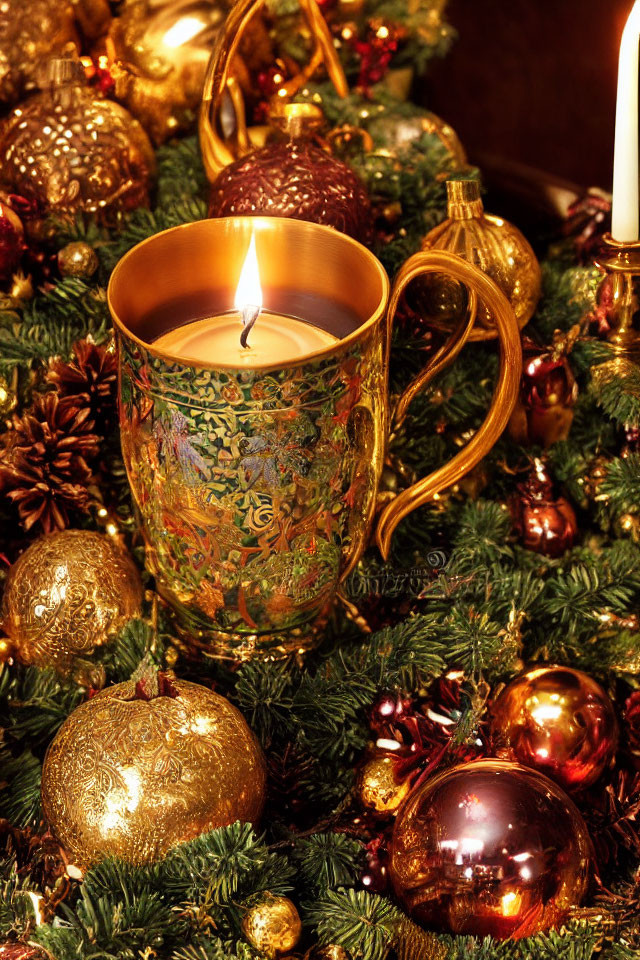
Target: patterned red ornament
pixel 294 179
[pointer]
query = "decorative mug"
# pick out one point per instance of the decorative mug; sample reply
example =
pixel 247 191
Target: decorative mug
pixel 256 487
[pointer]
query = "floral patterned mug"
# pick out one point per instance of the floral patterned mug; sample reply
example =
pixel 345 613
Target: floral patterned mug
pixel 256 488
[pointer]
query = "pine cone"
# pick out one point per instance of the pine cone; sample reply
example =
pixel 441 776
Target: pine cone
pixel 43 465
pixel 91 377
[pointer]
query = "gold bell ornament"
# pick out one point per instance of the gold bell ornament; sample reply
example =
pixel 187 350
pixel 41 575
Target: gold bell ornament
pixel 290 175
pixel 159 53
pixel 495 246
pixel 67 151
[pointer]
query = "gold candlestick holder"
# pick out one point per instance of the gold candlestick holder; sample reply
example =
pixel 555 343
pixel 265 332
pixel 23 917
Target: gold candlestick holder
pixel 618 299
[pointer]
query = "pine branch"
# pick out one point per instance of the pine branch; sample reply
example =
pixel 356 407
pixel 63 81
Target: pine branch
pixel 328 860
pixel 361 922
pixel 20 788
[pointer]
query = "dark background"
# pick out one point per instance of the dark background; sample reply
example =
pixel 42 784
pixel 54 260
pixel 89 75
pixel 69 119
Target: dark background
pixel 533 82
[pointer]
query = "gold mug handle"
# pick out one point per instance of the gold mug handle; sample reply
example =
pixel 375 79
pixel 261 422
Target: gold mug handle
pixel 217 151
pixel 505 394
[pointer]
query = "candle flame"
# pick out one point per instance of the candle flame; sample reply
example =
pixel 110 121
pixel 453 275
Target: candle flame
pixel 249 291
pixel 182 31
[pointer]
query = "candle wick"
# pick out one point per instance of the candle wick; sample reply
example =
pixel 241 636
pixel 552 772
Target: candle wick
pixel 250 314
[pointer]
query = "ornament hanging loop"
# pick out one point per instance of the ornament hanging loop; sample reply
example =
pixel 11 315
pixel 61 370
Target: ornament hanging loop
pixel 218 150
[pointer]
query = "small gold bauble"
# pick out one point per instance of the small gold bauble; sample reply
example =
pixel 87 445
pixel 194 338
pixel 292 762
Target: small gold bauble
pixel 8 397
pixel 78 259
pixel 328 951
pixel 271 924
pixel 132 777
pixel 66 594
pixel 399 133
pixel 495 246
pixel 31 31
pixel 161 50
pixel 65 150
pixel 377 787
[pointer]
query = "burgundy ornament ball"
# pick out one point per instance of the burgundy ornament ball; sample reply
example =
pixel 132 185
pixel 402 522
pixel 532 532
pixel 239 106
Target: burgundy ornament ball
pixel 490 848
pixel 559 721
pixel 293 179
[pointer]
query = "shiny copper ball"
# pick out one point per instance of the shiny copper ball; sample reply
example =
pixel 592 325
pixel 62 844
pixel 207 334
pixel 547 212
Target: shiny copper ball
pixel 272 924
pixel 294 179
pixel 489 848
pixel 67 594
pixel 559 721
pixel 131 778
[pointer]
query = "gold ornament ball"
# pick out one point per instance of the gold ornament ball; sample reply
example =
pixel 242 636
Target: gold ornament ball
pixel 132 777
pixel 328 951
pixel 8 397
pixel 495 246
pixel 271 924
pixel 399 133
pixel 161 49
pixel 67 151
pixel 377 787
pixel 67 594
pixel 31 31
pixel 77 259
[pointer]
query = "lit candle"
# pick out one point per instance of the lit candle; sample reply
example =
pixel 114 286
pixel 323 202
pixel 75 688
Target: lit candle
pixel 248 336
pixel 624 212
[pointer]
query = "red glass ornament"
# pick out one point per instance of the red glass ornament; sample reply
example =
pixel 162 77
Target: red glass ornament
pixel 293 179
pixel 490 848
pixel 548 392
pixel 559 721
pixel 545 523
pixel 11 241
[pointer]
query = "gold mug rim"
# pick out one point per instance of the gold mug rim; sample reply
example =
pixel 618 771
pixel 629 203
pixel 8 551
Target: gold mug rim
pixel 286 223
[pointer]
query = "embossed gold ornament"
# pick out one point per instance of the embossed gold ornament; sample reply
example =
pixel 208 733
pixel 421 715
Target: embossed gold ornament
pixel 495 246
pixel 559 721
pixel 132 777
pixel 30 32
pixel 77 259
pixel 65 150
pixel 67 594
pixel 160 53
pixel 271 924
pixel 377 787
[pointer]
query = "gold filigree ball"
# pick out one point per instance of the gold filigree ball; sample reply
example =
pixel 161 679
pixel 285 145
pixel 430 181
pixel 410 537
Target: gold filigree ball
pixel 67 594
pixel 30 32
pixel 133 777
pixel 271 924
pixel 66 151
pixel 77 259
pixel 378 789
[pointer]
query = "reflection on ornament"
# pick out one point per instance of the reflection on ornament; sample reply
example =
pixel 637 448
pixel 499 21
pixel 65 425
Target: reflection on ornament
pixel 559 721
pixel 490 848
pixel 490 243
pixel 31 31
pixel 65 151
pixel 67 594
pixel 134 771
pixel 160 52
pixel 271 924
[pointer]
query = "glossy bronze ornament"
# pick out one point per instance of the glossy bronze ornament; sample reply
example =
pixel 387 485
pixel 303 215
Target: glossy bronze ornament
pixel 545 522
pixel 31 31
pixel 559 721
pixel 490 848
pixel 490 243
pixel 160 52
pixel 377 787
pixel 292 178
pixel 67 594
pixel 64 150
pixel 397 133
pixel 548 392
pixel 271 924
pixel 78 259
pixel 135 771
